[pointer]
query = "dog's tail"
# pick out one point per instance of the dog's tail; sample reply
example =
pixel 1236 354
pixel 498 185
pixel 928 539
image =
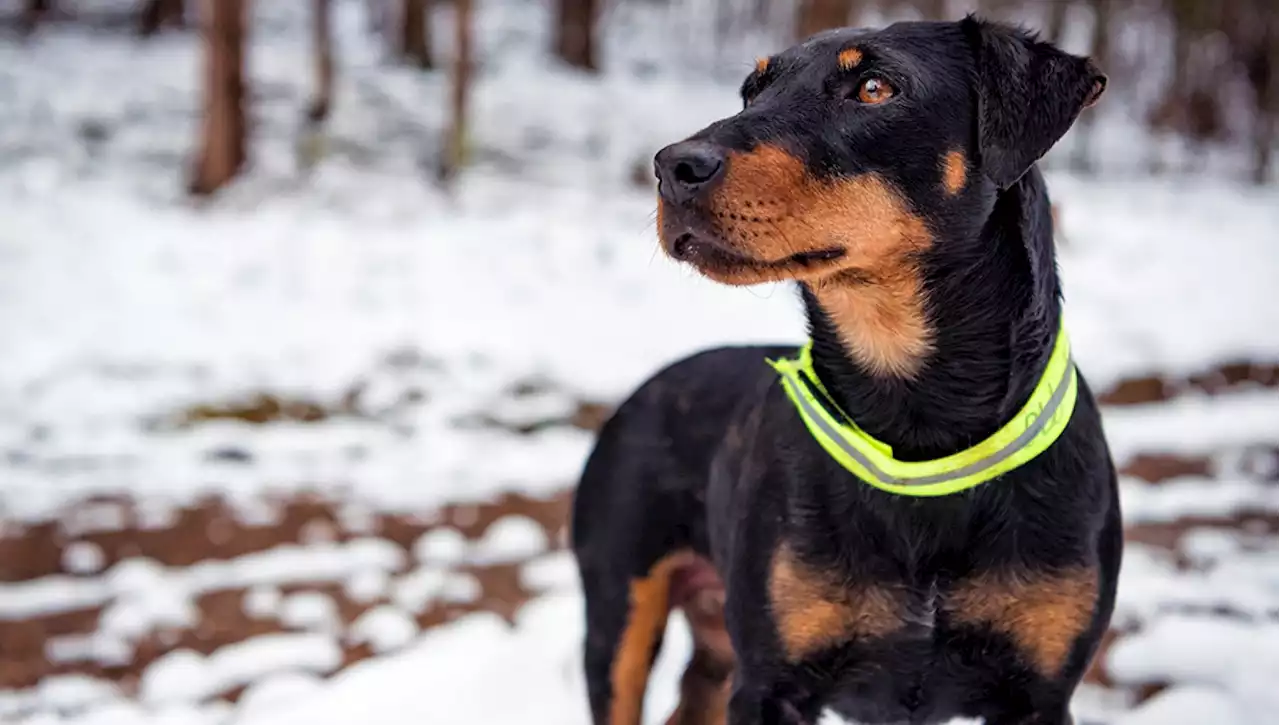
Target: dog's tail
pixel 618 666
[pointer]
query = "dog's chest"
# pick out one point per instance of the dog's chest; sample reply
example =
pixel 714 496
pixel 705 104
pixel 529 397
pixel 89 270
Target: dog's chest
pixel 1040 614
pixel 816 608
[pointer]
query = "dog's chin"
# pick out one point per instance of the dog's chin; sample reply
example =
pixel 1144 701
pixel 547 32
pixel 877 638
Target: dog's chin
pixel 718 262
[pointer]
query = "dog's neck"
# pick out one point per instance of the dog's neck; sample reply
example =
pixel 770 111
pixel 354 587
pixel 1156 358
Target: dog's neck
pixel 993 309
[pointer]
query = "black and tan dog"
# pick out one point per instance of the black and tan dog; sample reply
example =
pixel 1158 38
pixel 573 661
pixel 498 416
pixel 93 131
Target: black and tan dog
pixel 914 517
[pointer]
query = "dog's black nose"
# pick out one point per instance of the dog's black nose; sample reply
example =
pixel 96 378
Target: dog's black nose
pixel 686 169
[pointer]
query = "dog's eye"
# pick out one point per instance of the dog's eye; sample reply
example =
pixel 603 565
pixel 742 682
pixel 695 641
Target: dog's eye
pixel 874 90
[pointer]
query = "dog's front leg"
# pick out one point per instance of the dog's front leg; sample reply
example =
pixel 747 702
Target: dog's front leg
pixel 752 705
pixel 1058 714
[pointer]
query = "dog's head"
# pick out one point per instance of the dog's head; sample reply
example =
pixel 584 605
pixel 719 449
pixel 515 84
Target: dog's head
pixel 854 147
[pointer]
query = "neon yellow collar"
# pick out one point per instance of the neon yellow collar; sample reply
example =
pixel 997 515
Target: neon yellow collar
pixel 1029 434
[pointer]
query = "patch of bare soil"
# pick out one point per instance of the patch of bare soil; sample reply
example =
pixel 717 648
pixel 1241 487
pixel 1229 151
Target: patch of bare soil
pixel 1259 462
pixel 1216 381
pixel 212 531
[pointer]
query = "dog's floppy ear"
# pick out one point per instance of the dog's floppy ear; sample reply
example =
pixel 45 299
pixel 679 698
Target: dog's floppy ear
pixel 1028 92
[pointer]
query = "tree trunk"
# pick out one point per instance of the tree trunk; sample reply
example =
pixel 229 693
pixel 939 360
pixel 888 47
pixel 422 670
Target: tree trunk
pixel 934 9
pixel 223 136
pixel 725 12
pixel 158 13
pixel 1100 41
pixel 760 12
pixel 817 15
pixel 322 45
pixel 375 16
pixel 453 151
pixel 1269 100
pixel 32 13
pixel 1057 20
pixel 1100 52
pixel 575 33
pixel 415 33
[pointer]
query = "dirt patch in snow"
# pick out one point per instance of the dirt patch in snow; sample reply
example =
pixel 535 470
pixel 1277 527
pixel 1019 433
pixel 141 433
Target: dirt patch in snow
pixel 1221 379
pixel 213 531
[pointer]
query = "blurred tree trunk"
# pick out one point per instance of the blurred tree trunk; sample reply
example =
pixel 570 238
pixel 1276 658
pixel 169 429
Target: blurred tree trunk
pixel 760 12
pixel 224 132
pixel 816 15
pixel 158 13
pixel 453 150
pixel 32 13
pixel 322 45
pixel 1056 23
pixel 725 12
pixel 1266 82
pixel 1188 25
pixel 375 16
pixel 415 33
pixel 937 9
pixel 575 33
pixel 1100 51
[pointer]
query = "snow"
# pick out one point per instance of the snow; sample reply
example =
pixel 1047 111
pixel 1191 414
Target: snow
pixel 510 538
pixel 556 571
pixel 384 629
pixel 308 610
pixel 1189 704
pixel 274 692
pixel 460 588
pixel 1244 584
pixel 262 601
pixel 318 562
pixel 366 586
pixel 536 285
pixel 1193 424
pixel 58 692
pixel 440 546
pixel 82 557
pixel 185 675
pixel 415 590
pixel 1238 658
pixel 1194 496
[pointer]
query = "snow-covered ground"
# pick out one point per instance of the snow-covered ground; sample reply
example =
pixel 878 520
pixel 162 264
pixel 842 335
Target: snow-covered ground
pixel 408 318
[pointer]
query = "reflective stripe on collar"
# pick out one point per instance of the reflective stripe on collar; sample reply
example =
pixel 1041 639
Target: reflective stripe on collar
pixel 1029 434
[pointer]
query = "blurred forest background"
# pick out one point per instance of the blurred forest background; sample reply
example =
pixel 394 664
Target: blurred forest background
pixel 1205 70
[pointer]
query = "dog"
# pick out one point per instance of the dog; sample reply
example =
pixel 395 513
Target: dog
pixel 913 517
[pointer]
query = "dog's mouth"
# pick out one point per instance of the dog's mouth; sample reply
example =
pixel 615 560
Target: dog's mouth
pixel 717 260
pixel 689 247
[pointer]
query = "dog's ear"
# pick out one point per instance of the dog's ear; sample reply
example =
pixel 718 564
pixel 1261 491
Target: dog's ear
pixel 1028 94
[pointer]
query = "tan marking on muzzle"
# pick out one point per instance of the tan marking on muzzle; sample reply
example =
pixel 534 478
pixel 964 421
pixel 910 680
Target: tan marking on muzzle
pixel 769 208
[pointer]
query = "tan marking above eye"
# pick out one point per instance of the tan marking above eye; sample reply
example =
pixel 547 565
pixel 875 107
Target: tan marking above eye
pixel 762 65
pixel 849 58
pixel 875 90
pixel 953 172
